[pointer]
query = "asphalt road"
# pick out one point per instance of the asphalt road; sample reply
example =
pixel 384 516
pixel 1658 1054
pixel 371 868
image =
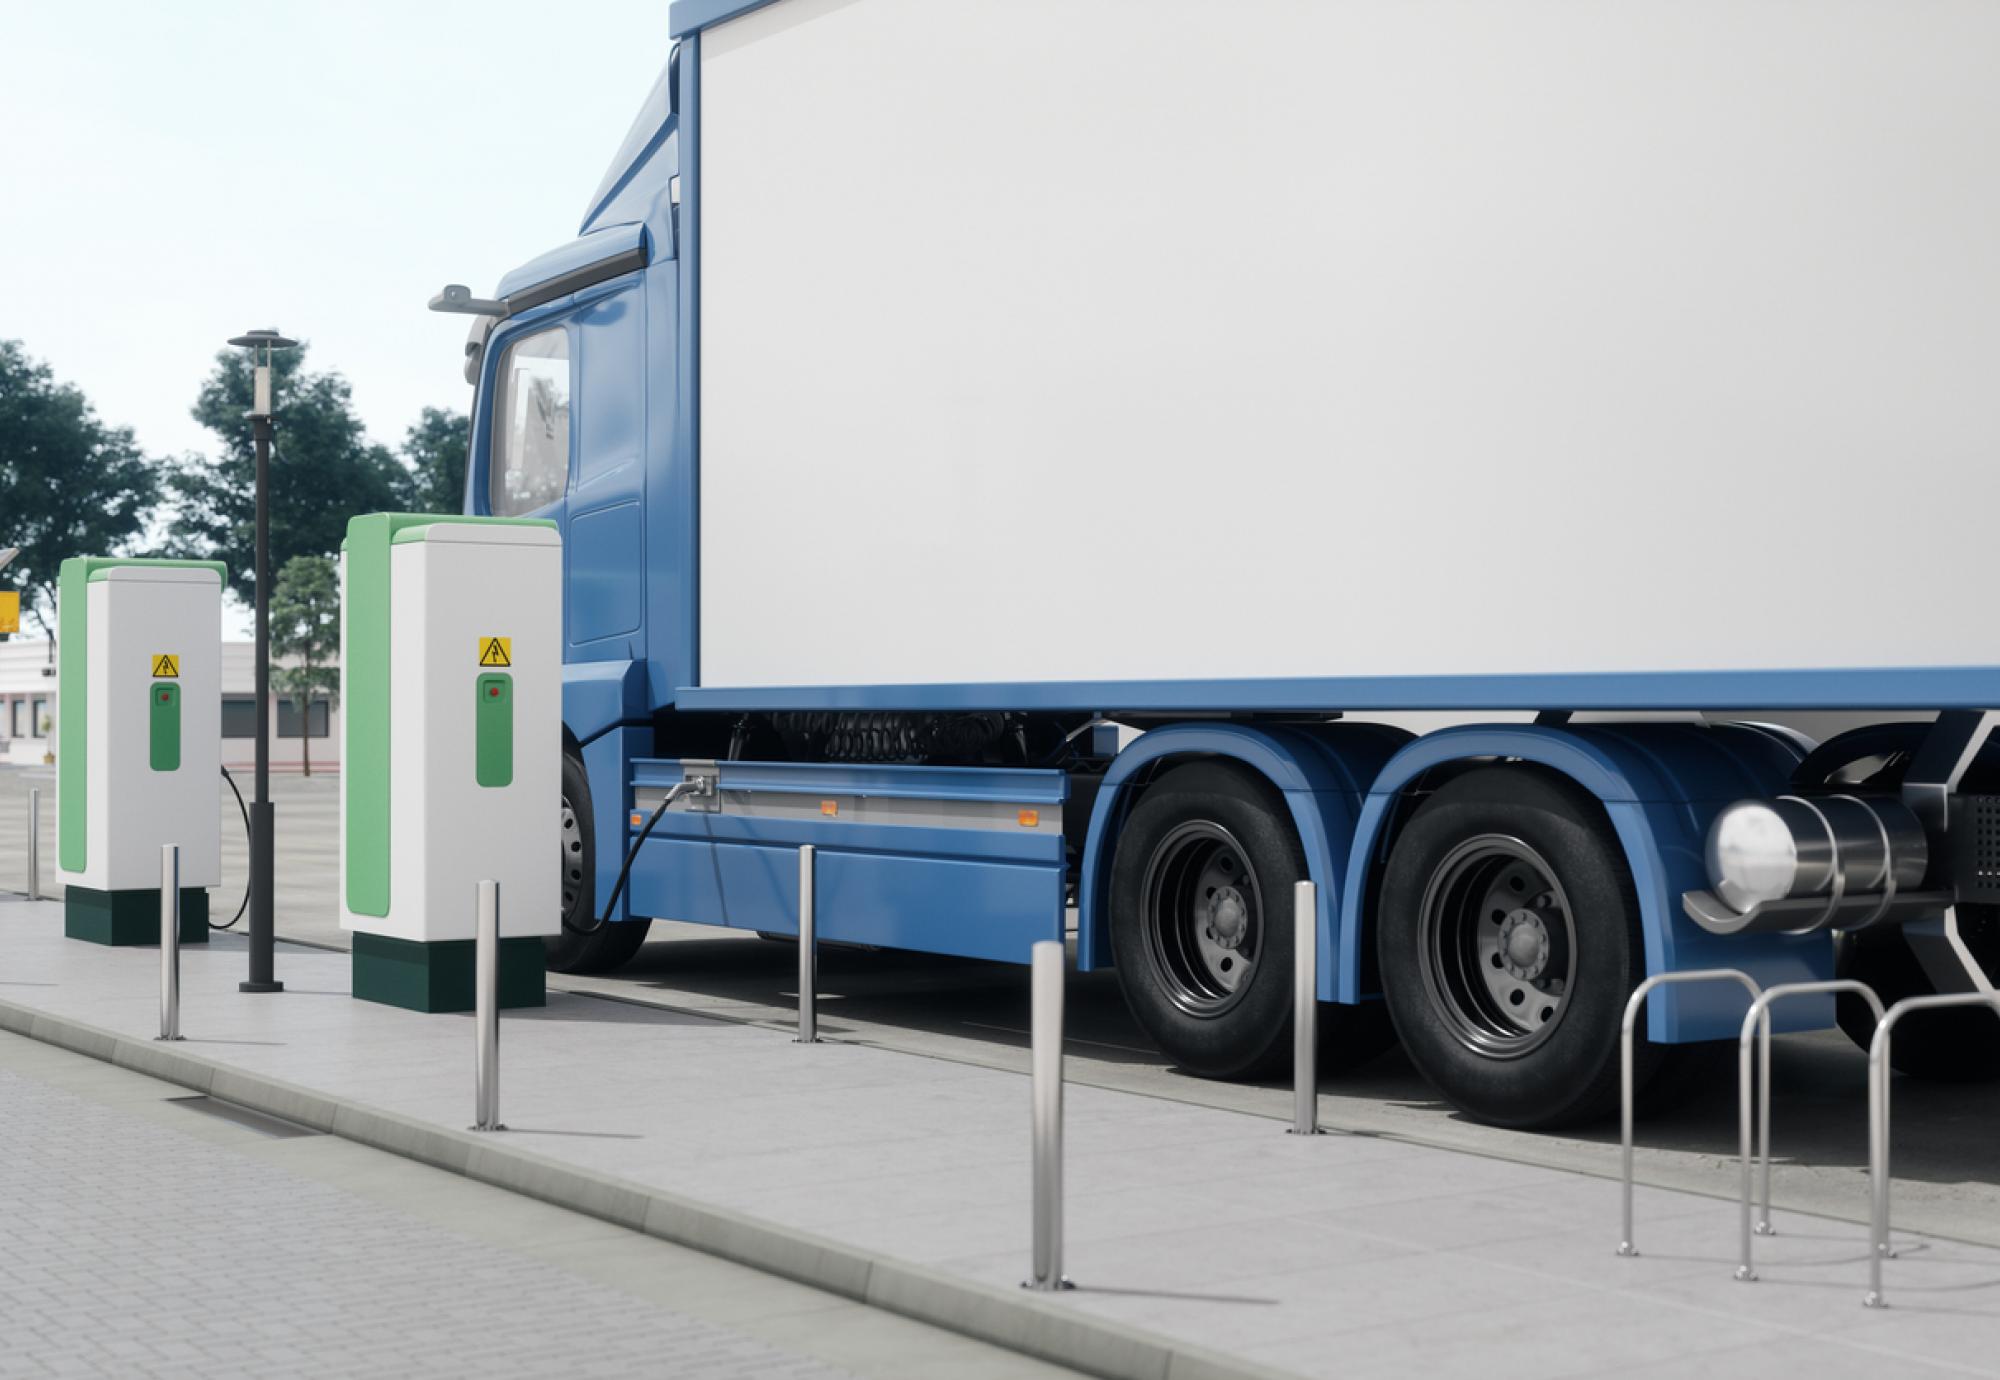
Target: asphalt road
pixel 1948 1179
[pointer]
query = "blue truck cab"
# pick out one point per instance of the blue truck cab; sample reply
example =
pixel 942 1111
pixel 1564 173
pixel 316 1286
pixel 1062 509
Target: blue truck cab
pixel 1489 892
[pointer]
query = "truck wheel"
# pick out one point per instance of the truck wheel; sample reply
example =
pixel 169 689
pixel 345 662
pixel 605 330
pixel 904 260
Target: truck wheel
pixel 1955 1045
pixel 1508 938
pixel 1201 927
pixel 611 944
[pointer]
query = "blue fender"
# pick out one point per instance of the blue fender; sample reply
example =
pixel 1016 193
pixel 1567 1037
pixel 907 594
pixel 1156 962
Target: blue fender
pixel 599 695
pixel 1322 770
pixel 1661 784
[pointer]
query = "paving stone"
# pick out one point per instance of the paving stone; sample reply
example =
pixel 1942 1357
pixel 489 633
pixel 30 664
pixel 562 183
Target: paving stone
pixel 136 1249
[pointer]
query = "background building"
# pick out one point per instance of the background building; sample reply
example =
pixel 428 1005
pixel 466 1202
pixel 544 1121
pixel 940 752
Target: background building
pixel 28 712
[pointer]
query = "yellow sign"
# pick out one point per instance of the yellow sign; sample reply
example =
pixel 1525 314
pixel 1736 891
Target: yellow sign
pixel 10 611
pixel 166 666
pixel 496 651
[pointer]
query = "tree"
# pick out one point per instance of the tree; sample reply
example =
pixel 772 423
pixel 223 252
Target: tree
pixel 323 469
pixel 435 450
pixel 69 484
pixel 305 633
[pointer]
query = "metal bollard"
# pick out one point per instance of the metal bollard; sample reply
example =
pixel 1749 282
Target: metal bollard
pixel 1632 1005
pixel 808 952
pixel 1878 1123
pixel 1305 1009
pixel 35 844
pixel 486 1011
pixel 1046 982
pixel 1757 1021
pixel 170 942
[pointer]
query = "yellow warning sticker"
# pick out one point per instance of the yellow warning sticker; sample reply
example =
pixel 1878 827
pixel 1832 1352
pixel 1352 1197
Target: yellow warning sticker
pixel 496 651
pixel 166 666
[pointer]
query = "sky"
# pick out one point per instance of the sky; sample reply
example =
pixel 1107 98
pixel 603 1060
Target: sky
pixel 174 174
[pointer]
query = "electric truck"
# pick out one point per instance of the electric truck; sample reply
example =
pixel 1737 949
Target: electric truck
pixel 1100 463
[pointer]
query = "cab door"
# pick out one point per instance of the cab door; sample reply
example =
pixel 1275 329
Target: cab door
pixel 604 540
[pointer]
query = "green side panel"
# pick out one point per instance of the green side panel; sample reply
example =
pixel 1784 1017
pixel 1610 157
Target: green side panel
pixel 439 977
pixel 493 729
pixel 72 735
pixel 163 737
pixel 130 917
pixel 366 711
pixel 73 693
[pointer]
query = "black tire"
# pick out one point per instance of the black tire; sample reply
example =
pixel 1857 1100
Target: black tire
pixel 610 945
pixel 1214 820
pixel 1955 1045
pixel 1508 939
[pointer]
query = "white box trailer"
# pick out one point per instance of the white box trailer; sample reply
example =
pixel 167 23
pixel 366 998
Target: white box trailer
pixel 942 382
pixel 1345 339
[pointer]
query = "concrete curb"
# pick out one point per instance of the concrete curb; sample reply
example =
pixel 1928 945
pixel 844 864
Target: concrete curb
pixel 1018 1321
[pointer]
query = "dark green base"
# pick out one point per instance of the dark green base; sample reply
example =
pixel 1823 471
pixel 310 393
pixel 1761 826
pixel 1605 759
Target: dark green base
pixel 130 917
pixel 438 977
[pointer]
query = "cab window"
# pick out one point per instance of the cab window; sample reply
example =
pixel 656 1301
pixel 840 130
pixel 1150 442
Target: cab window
pixel 530 466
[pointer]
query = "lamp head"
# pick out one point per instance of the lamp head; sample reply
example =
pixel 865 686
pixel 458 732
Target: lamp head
pixel 261 344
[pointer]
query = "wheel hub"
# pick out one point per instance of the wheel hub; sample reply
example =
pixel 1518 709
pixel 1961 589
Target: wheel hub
pixel 1499 945
pixel 1228 917
pixel 572 857
pixel 1524 944
pixel 1203 918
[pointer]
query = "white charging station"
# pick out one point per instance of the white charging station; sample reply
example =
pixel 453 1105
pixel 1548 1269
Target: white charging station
pixel 138 742
pixel 451 754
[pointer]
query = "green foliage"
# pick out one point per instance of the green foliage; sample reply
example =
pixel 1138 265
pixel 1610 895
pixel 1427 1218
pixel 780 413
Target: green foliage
pixel 69 484
pixel 305 631
pixel 435 450
pixel 305 613
pixel 323 469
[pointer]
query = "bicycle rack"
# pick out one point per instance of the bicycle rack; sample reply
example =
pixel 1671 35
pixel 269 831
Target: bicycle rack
pixel 1632 1005
pixel 1878 1123
pixel 1757 1021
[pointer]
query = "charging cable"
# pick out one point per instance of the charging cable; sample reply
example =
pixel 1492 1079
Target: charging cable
pixel 697 786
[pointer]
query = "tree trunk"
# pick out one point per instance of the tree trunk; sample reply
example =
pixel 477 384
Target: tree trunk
pixel 305 735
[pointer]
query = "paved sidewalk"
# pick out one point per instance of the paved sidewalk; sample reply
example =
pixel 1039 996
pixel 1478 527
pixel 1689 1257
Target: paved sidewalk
pixel 971 1012
pixel 1331 1255
pixel 144 1238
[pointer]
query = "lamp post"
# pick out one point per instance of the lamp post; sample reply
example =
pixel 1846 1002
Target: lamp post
pixel 262 344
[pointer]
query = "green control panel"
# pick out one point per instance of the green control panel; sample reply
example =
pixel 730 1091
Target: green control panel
pixel 164 717
pixel 493 730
